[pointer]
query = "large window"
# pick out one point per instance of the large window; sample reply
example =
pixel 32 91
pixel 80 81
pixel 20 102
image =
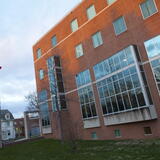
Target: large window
pixel 153 50
pixel 87 102
pixel 44 112
pixel 86 97
pixel 97 39
pixel 121 88
pixel 156 70
pixel 39 53
pixel 56 83
pixel 119 25
pixel 153 46
pixel 118 61
pixel 83 78
pixel 54 41
pixel 51 75
pixel 74 25
pixel 79 50
pixel 91 12
pixel 148 8
pixel 42 96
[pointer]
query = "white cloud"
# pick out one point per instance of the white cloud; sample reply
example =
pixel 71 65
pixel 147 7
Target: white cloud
pixel 23 23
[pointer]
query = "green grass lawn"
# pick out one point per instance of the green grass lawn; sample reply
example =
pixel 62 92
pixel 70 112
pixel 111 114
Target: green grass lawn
pixel 48 149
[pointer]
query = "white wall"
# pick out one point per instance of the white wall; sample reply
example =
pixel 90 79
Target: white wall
pixel 8 127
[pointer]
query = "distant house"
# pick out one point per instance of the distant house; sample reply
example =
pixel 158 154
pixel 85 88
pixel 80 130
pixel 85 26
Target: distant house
pixel 32 126
pixel 19 127
pixel 7 125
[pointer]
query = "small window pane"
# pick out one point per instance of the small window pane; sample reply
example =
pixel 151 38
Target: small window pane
pixel 109 105
pixel 41 74
pixel 110 1
pixel 93 109
pixel 147 130
pixel 103 104
pixel 74 25
pixel 83 78
pixel 119 25
pixel 133 99
pixel 79 50
pixel 84 112
pixel 94 135
pixel 97 39
pixel 135 80
pixel 153 46
pixel 157 74
pixel 140 97
pixel 120 102
pixel 91 12
pixel 148 8
pixel 126 100
pixel 114 104
pixel 39 53
pixel 54 41
pixel 117 133
pixel 89 114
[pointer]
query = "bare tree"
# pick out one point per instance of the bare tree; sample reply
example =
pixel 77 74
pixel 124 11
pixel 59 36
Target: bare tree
pixel 32 101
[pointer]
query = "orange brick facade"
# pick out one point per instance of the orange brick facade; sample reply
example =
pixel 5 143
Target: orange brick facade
pixel 138 31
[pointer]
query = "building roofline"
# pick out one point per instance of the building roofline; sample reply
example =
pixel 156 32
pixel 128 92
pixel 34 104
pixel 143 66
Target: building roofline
pixel 67 14
pixel 73 32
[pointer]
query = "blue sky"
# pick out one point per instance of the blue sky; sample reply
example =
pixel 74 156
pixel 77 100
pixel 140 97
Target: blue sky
pixel 22 23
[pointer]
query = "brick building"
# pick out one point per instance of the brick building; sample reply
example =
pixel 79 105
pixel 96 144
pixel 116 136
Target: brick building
pixel 102 63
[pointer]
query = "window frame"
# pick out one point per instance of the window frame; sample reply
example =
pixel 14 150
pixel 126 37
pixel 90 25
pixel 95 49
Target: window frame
pixel 119 133
pixel 151 14
pixel 41 74
pixel 39 53
pixel 97 37
pixel 54 45
pixel 125 24
pixel 89 103
pixel 78 56
pixel 142 87
pixel 88 14
pixel 151 59
pixel 145 129
pixel 110 3
pixel 72 26
pixel 82 90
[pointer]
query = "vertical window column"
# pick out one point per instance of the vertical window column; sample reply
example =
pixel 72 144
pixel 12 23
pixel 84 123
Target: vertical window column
pixel 86 96
pixel 153 51
pixel 44 111
pixel 56 83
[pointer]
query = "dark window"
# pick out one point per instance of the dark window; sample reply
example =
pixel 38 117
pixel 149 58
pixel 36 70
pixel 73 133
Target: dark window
pixel 57 61
pixel 63 101
pixel 147 130
pixel 117 133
